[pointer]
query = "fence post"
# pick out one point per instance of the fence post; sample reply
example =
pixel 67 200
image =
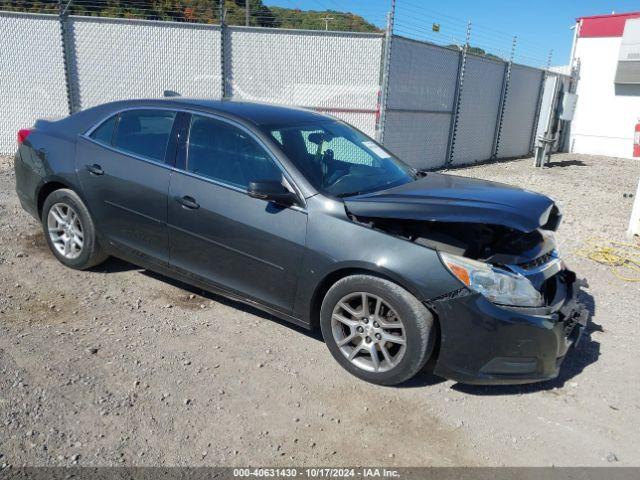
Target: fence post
pixel 384 74
pixel 63 10
pixel 223 52
pixel 536 118
pixel 503 101
pixel 457 98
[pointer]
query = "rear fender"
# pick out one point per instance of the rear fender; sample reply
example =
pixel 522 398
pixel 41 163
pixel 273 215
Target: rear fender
pixel 43 160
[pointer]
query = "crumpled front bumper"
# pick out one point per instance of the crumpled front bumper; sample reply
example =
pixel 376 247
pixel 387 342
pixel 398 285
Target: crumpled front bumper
pixel 483 343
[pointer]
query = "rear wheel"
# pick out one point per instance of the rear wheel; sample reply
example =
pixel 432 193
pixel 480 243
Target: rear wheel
pixel 70 231
pixel 376 329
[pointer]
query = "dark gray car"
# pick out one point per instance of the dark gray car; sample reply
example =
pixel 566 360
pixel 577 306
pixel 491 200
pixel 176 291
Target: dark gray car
pixel 307 218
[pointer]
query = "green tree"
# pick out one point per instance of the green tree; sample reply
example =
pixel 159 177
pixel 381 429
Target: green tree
pixel 476 51
pixel 201 11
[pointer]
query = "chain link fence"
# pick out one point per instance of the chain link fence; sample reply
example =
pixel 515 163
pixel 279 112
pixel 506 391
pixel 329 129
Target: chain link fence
pixel 114 59
pixel 441 105
pixel 479 107
pixel 32 80
pixel 420 103
pixel 520 112
pixel 335 73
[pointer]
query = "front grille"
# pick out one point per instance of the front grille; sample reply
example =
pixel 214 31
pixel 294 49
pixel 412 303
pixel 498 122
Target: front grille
pixel 538 262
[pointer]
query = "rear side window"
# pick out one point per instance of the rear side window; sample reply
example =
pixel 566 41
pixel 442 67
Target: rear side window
pixel 225 153
pixel 144 132
pixel 104 133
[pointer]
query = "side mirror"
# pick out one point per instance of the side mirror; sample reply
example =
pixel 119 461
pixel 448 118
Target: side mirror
pixel 272 191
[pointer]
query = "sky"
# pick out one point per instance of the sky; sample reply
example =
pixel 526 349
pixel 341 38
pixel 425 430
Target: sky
pixel 540 25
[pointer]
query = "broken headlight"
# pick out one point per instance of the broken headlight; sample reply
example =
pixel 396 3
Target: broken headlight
pixel 497 285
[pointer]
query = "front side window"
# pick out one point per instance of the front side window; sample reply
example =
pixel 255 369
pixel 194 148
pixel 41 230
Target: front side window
pixel 339 160
pixel 222 152
pixel 144 132
pixel 104 133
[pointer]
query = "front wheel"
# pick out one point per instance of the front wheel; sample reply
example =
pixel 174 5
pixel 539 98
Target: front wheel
pixel 376 330
pixel 69 230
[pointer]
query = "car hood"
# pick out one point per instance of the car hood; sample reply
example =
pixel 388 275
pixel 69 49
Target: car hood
pixel 449 198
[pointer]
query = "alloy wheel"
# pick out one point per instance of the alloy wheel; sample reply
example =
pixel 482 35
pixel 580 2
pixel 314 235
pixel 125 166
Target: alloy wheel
pixel 368 332
pixel 65 230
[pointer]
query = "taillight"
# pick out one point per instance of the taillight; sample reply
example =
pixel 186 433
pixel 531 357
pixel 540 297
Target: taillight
pixel 23 133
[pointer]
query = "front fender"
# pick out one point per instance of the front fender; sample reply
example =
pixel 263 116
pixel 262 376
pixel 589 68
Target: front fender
pixel 337 244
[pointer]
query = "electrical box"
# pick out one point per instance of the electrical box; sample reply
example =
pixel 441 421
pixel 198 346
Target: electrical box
pixel 569 101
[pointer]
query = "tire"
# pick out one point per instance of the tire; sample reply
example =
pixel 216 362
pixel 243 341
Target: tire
pixel 397 305
pixel 84 250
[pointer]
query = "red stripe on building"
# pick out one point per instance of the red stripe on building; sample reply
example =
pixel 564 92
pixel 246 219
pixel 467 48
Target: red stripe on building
pixel 605 25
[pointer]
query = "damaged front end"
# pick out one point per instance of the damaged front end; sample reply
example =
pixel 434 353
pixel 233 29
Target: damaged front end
pixel 509 267
pixel 516 312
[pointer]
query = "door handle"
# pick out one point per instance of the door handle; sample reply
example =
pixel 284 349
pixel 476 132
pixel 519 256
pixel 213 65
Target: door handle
pixel 95 169
pixel 188 202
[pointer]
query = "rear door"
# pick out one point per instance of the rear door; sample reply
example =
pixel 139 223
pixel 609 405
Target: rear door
pixel 123 167
pixel 221 234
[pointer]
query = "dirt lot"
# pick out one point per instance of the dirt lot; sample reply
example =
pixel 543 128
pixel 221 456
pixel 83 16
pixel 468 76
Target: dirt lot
pixel 121 366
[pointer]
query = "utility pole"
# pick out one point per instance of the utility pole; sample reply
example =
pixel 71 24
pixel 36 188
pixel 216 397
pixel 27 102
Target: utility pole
pixel 223 51
pixel 63 18
pixel 326 22
pixel 247 13
pixel 538 144
pixel 457 102
pixel 504 98
pixel 384 75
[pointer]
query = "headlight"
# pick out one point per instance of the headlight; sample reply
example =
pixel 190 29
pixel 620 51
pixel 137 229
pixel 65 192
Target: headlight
pixel 499 286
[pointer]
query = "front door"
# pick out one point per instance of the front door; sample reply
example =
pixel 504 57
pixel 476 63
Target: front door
pixel 216 231
pixel 121 167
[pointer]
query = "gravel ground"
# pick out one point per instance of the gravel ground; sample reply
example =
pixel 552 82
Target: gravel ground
pixel 121 366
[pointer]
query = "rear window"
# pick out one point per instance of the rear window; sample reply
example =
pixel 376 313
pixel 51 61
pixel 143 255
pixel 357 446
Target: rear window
pixel 104 133
pixel 144 132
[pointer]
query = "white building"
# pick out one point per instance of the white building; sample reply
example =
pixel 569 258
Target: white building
pixel 606 52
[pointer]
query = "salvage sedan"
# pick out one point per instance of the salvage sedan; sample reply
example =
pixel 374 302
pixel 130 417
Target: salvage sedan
pixel 307 218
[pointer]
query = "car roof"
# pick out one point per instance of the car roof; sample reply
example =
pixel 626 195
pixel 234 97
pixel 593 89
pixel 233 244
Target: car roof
pixel 253 112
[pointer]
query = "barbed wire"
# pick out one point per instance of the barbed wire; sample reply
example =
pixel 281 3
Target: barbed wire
pixel 412 20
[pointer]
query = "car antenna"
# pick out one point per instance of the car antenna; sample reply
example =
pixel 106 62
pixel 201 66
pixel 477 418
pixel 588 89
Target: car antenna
pixel 171 93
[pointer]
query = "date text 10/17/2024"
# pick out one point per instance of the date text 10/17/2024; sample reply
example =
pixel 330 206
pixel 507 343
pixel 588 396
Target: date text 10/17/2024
pixel 317 472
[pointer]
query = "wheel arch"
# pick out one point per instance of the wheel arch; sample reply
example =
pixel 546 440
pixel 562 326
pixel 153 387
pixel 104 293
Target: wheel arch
pixel 50 185
pixel 46 189
pixel 337 274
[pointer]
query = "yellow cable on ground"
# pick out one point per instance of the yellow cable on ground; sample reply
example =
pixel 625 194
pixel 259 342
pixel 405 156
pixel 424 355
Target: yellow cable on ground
pixel 621 257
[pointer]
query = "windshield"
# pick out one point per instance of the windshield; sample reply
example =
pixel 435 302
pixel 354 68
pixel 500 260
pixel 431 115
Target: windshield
pixel 338 160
